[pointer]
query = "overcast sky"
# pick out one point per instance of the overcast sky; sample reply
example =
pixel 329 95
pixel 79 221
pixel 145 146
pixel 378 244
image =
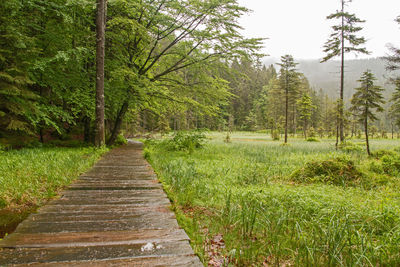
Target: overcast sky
pixel 300 28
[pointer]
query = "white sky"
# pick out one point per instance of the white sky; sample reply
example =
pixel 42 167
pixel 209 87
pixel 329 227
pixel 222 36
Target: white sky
pixel 300 28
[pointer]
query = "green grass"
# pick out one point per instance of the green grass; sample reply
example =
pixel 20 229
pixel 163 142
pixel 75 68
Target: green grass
pixel 30 177
pixel 244 190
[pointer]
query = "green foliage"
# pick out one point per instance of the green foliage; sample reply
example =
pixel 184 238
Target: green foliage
pixel 336 171
pixel 244 192
pixel 383 152
pixel 367 98
pixel 391 164
pixel 121 140
pixel 312 139
pixel 345 31
pixel 186 141
pixel 29 177
pixel 349 146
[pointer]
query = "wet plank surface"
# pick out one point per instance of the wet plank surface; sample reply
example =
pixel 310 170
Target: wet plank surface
pixel 116 214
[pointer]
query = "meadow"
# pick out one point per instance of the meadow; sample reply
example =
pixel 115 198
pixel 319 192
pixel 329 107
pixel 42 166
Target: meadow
pixel 256 202
pixel 31 176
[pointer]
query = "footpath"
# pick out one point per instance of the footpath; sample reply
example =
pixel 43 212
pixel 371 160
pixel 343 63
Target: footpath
pixel 116 214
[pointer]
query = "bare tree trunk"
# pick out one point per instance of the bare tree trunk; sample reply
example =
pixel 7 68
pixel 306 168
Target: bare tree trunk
pixel 366 133
pixel 100 55
pixel 341 103
pixel 337 134
pixel 286 113
pixel 392 130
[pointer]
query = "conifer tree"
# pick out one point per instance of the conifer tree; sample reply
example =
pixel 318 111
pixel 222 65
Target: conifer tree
pixel 288 80
pixel 395 107
pixel 306 107
pixel 366 101
pixel 393 59
pixel 343 40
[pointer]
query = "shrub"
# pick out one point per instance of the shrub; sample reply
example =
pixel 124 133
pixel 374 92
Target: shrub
pixel 391 164
pixel 383 152
pixel 120 140
pixel 350 147
pixel 336 171
pixel 186 141
pixel 66 143
pixel 227 138
pixel 312 139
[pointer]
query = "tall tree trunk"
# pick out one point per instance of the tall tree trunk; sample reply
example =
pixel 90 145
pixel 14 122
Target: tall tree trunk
pixel 100 54
pixel 86 130
pixel 286 113
pixel 118 123
pixel 341 103
pixel 392 130
pixel 366 133
pixel 337 133
pixel 294 120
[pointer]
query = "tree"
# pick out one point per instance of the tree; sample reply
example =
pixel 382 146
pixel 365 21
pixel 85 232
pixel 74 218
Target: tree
pixel 288 81
pixel 305 106
pixel 100 55
pixel 151 40
pixel 393 59
pixel 343 40
pixel 366 101
pixel 395 100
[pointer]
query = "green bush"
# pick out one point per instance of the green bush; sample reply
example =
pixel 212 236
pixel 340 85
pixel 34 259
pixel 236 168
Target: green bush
pixel 391 164
pixel 120 140
pixel 383 152
pixel 66 143
pixel 336 171
pixel 350 147
pixel 186 141
pixel 312 139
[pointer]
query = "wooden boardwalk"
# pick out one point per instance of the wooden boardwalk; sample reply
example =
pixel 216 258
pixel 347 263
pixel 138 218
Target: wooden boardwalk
pixel 116 214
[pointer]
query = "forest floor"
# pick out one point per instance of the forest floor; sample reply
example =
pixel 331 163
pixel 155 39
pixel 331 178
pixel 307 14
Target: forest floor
pixel 256 202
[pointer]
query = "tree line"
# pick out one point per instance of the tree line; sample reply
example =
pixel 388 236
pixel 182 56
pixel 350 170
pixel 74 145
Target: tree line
pixel 161 57
pixel 169 65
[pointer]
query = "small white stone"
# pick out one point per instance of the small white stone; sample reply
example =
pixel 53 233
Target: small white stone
pixel 147 247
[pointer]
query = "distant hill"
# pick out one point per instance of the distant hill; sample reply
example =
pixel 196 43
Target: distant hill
pixel 326 76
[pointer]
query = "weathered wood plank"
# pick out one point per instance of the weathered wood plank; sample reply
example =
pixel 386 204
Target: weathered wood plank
pixel 80 239
pixel 115 214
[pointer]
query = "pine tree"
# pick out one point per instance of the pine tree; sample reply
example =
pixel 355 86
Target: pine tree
pixel 288 80
pixel 366 101
pixel 395 107
pixel 393 59
pixel 305 106
pixel 343 40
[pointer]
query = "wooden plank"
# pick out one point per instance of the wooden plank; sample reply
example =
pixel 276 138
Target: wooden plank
pixel 162 261
pixel 91 253
pixel 115 214
pixel 36 240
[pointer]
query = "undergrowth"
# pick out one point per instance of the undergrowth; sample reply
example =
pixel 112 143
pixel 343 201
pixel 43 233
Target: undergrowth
pixel 342 210
pixel 31 176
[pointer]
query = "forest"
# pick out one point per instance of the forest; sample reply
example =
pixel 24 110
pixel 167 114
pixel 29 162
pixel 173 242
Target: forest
pixel 267 162
pixel 157 77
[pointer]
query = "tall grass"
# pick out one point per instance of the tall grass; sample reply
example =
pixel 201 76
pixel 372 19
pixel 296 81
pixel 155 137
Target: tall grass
pixel 29 177
pixel 244 191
